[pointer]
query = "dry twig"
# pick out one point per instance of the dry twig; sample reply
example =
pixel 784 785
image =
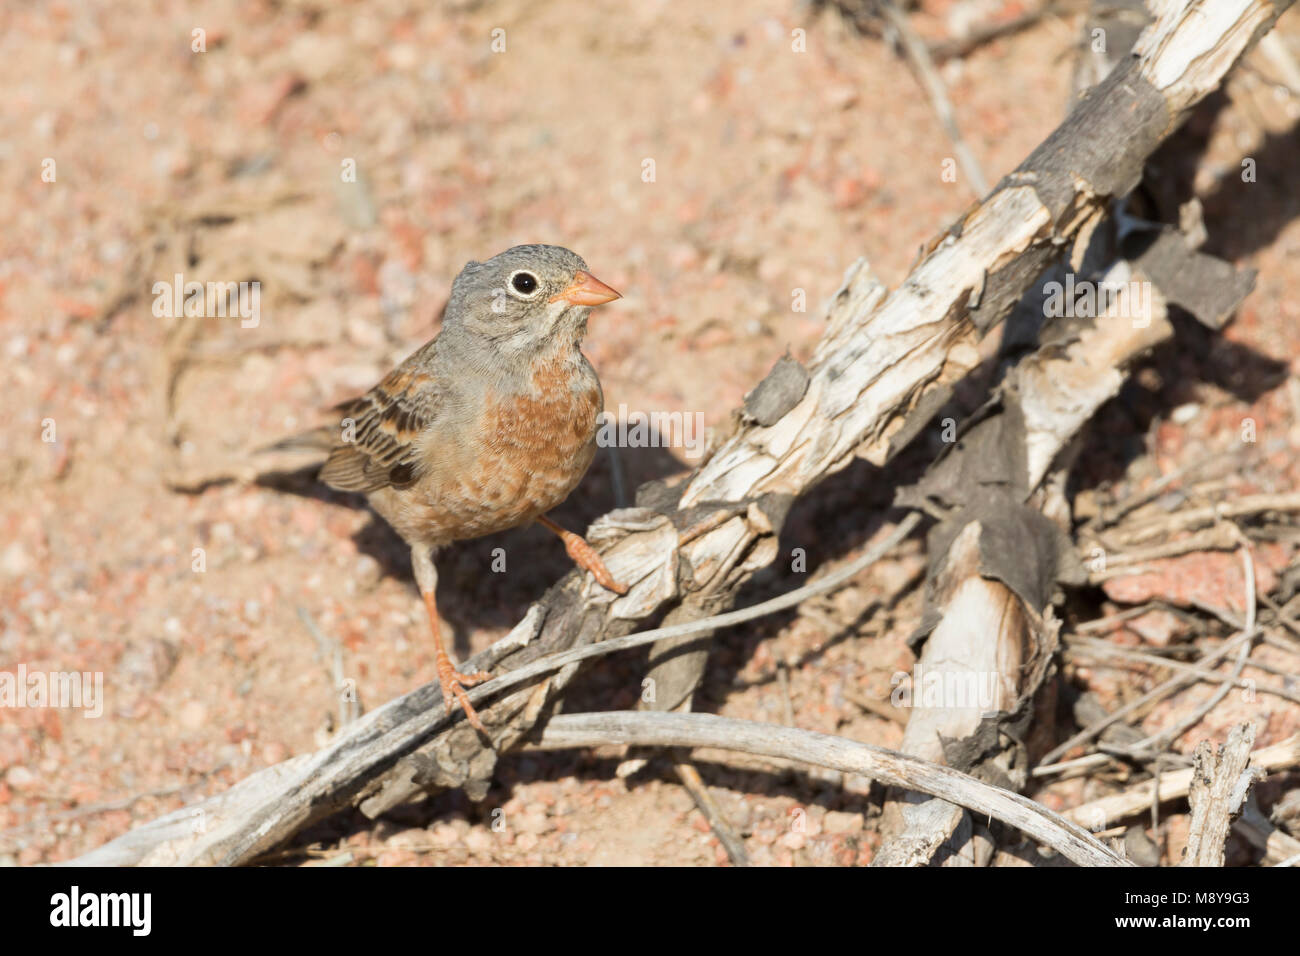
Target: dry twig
pixel 661 729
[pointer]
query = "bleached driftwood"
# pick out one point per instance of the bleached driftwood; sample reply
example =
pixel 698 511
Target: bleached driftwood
pixel 883 362
pixel 1220 785
pixel 835 753
pixel 995 632
pixel 1106 812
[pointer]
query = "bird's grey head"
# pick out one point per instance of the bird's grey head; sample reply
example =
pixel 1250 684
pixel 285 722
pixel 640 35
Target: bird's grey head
pixel 525 299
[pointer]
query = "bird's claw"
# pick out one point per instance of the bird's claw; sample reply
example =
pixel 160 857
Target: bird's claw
pixel 585 557
pixel 453 684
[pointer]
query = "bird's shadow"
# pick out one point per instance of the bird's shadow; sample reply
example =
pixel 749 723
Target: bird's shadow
pixel 489 582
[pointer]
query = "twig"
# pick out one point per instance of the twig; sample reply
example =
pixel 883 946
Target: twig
pixel 1102 623
pixel 872 706
pixel 1211 539
pixel 1090 647
pixel 1285 620
pixel 1133 502
pixel 984 33
pixel 1280 849
pixel 330 652
pixel 1189 517
pixel 1220 783
pixel 659 729
pixel 831 581
pixel 1158 742
pixel 717 820
pixel 919 54
pixel 1078 763
pixel 1155 694
pixel 1174 785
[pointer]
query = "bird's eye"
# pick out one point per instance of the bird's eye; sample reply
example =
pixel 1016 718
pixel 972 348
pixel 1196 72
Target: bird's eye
pixel 525 283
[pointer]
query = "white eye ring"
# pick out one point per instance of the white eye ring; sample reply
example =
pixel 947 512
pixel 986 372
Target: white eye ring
pixel 537 285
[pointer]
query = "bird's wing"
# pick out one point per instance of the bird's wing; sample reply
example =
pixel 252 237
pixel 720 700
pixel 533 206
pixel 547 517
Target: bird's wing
pixel 375 447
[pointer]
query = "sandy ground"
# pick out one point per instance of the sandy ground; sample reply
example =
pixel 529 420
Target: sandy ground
pixel 772 171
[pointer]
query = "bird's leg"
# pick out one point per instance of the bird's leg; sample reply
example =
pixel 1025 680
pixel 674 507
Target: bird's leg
pixel 452 681
pixel 584 556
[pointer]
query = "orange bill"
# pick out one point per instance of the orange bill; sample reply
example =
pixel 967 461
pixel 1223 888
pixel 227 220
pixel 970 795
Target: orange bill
pixel 586 289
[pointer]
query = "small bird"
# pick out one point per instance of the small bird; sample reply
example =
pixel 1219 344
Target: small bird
pixel 486 427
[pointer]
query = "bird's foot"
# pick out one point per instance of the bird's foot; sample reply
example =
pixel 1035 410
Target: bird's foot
pixel 453 684
pixel 585 557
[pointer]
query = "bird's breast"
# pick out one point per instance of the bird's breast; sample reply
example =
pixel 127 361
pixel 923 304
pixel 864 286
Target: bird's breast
pixel 523 454
pixel 549 429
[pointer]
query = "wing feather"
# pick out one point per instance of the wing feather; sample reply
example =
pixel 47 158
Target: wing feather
pixel 385 423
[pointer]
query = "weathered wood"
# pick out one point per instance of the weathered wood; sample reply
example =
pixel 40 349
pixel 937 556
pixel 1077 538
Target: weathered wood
pixel 1278 846
pixel 835 753
pixel 981 665
pixel 993 617
pixel 1220 784
pixel 1108 811
pixel 991 611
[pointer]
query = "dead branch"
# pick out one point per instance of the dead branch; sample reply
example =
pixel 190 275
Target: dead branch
pixel 987 32
pixel 1220 784
pixel 836 753
pixel 994 558
pixel 919 56
pixel 1174 785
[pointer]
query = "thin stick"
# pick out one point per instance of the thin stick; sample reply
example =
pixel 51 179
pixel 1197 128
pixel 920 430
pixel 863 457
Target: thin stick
pixel 1078 763
pixel 1285 620
pixel 984 33
pixel 919 54
pixel 872 706
pixel 1133 502
pixel 1102 623
pixel 1245 505
pixel 658 729
pixel 1175 784
pixel 1211 539
pixel 1155 694
pixel 1086 647
pixel 330 653
pixel 717 820
pixel 1158 742
pixel 830 582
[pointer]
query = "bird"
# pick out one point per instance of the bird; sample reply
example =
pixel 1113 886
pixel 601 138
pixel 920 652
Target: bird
pixel 486 427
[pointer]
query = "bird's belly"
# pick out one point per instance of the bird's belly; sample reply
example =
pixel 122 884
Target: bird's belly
pixel 505 492
pixel 530 453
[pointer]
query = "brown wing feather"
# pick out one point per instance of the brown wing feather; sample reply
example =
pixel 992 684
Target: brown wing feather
pixel 385 422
